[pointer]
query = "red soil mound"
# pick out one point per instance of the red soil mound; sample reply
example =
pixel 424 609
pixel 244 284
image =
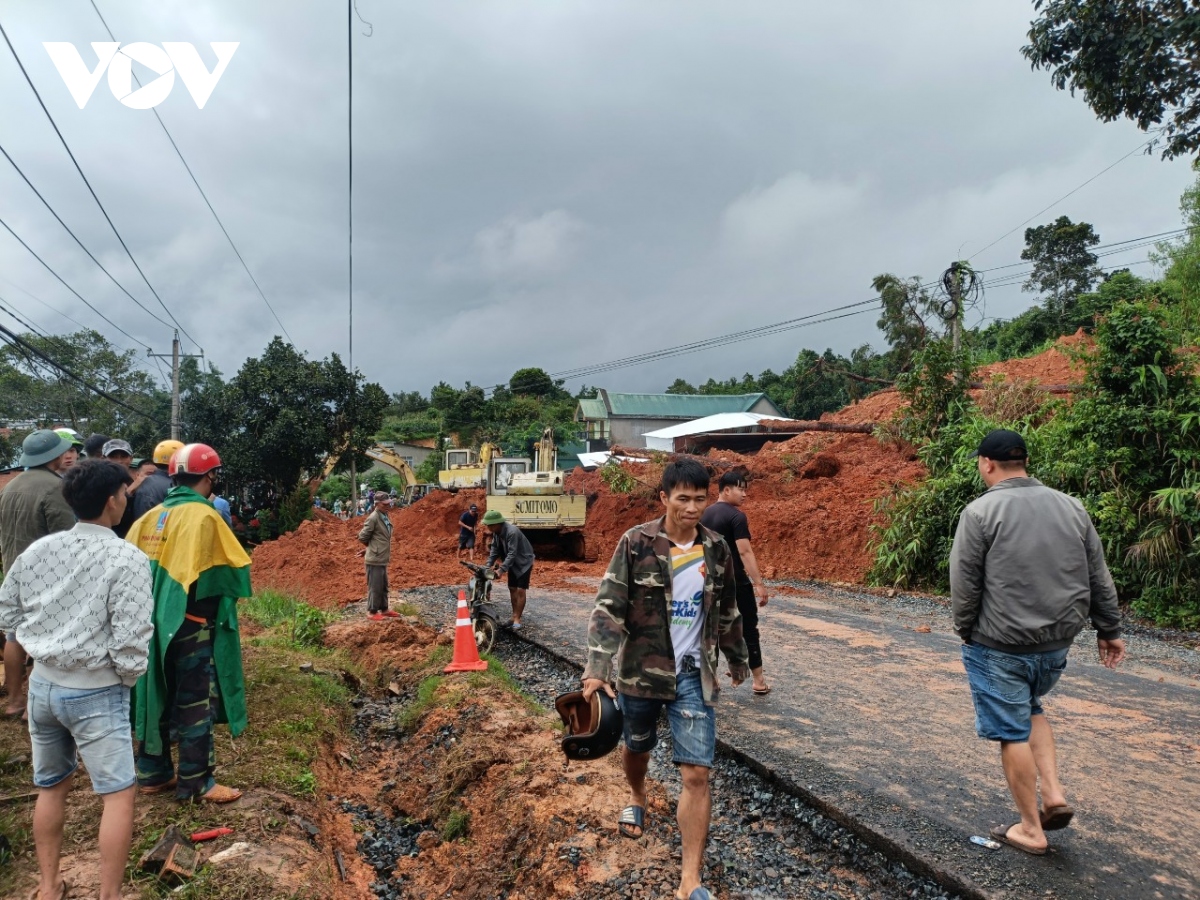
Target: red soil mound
pixel 810 507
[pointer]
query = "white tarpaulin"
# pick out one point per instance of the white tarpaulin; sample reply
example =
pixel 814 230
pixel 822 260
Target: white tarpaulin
pixel 664 438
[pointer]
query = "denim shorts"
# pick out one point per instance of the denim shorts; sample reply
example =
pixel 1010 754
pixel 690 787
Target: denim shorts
pixel 693 725
pixel 1007 688
pixel 67 723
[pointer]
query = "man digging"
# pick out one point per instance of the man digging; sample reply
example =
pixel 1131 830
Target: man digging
pixel 670 583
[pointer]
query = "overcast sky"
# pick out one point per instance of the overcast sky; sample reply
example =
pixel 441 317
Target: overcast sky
pixel 551 184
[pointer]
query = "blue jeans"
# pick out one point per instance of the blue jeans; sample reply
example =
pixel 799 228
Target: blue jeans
pixel 1007 688
pixel 693 725
pixel 66 723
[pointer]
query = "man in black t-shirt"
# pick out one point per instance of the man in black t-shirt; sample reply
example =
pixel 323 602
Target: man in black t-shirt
pixel 726 519
pixel 466 532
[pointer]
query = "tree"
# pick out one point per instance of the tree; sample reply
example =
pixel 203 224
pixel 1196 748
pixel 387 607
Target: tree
pixel 1063 265
pixel 280 417
pixel 33 390
pixel 532 382
pixel 679 386
pixel 1136 58
pixel 906 307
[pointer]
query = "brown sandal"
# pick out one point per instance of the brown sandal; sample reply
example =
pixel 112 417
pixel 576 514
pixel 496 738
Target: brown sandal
pixel 1000 833
pixel 1056 818
pixel 62 895
pixel 219 793
pixel 158 788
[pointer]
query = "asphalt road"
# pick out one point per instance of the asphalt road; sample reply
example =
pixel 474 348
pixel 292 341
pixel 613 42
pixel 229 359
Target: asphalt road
pixel 872 720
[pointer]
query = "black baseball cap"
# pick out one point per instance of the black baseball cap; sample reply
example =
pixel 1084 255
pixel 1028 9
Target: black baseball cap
pixel 1002 445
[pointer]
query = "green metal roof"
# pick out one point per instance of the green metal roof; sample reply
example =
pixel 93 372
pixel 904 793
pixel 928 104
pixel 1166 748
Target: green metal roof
pixel 592 409
pixel 669 406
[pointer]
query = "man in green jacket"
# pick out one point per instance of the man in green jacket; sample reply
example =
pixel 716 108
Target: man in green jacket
pixel 667 603
pixel 194 676
pixel 31 506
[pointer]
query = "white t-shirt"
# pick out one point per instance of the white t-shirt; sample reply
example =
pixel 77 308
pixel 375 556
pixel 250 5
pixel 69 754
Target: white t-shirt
pixel 687 601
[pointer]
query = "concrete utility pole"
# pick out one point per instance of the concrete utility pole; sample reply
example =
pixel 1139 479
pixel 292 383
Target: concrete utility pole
pixel 175 356
pixel 952 281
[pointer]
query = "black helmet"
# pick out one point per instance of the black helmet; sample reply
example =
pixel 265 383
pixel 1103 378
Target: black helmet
pixel 593 726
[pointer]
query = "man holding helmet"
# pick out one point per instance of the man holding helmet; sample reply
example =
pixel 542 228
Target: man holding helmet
pixel 194 677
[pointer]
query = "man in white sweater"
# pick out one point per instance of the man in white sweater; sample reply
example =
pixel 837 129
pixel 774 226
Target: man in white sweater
pixel 80 603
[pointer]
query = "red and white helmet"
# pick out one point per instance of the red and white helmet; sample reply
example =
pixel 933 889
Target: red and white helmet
pixel 194 459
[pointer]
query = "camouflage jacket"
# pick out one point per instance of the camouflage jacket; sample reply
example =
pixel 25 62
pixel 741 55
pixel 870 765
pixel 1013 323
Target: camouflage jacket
pixel 632 619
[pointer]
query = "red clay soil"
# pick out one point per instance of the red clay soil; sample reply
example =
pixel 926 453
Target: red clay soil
pixel 478 753
pixel 810 507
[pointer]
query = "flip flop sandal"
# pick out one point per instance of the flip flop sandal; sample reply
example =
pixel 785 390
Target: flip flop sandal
pixel 158 788
pixel 632 816
pixel 762 692
pixel 1000 833
pixel 36 892
pixel 1056 818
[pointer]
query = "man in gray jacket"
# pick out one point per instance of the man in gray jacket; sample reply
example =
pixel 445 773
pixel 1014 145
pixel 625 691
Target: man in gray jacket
pixel 31 506
pixel 1026 572
pixel 376 533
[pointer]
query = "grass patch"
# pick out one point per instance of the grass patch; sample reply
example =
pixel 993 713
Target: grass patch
pixel 301 624
pixel 498 675
pixel 292 715
pixel 410 715
pixel 458 824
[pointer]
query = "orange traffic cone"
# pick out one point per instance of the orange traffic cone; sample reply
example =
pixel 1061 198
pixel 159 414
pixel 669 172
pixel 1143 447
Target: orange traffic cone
pixel 466 653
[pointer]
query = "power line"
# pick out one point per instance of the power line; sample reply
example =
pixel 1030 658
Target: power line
pixel 95 197
pixel 91 256
pixel 1066 195
pixel 207 203
pixel 17 341
pixel 50 269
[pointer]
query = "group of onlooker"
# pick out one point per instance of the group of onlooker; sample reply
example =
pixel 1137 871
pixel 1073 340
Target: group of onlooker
pixel 138 633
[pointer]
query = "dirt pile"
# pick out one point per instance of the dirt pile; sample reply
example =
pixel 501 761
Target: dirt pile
pixel 810 508
pixel 458 787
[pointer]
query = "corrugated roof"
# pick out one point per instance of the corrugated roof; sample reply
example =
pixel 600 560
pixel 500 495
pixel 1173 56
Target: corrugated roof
pixel 592 409
pixel 679 406
pixel 719 422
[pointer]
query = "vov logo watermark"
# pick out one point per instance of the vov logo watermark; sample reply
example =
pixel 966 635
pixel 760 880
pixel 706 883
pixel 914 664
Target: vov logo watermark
pixel 164 61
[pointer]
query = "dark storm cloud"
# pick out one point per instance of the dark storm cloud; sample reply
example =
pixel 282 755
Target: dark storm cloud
pixel 555 184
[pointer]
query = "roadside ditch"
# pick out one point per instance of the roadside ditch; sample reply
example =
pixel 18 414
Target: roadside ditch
pixel 455 787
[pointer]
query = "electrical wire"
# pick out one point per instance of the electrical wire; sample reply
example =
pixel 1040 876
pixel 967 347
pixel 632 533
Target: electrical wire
pixel 17 341
pixel 95 197
pixel 67 228
pixel 1141 146
pixel 50 269
pixel 207 202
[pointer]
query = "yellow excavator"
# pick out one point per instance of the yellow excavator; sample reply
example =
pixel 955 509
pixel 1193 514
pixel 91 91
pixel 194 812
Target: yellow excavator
pixel 531 494
pixel 414 488
pixel 465 468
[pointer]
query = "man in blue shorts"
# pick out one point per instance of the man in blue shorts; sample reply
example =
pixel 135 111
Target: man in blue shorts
pixel 666 605
pixel 466 532
pixel 80 602
pixel 1026 571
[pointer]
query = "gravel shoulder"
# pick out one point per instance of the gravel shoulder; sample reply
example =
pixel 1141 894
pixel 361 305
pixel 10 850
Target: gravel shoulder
pixel 870 722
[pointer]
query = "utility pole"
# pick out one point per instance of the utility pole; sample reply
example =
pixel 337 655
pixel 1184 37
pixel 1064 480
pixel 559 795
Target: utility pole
pixel 175 356
pixel 953 283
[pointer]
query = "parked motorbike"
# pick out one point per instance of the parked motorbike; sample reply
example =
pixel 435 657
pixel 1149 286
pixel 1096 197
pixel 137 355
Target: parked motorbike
pixel 484 620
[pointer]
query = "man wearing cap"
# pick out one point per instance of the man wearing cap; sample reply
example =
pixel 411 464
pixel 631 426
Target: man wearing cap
pixel 119 451
pixel 32 506
pixel 513 554
pixel 466 532
pixel 1026 571
pixel 376 533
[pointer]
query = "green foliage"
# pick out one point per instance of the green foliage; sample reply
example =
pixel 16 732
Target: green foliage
pixel 1136 58
pixel 31 390
pixel 427 471
pixel 281 416
pixel 295 508
pixel 1128 447
pixel 935 396
pixel 336 487
pixel 619 481
pixel 458 825
pixel 305 623
pixel 1063 264
pixel 906 306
